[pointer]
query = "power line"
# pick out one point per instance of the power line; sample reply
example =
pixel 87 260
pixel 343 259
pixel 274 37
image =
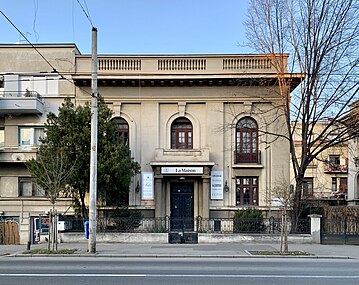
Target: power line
pixel 41 55
pixel 87 14
pixel 44 58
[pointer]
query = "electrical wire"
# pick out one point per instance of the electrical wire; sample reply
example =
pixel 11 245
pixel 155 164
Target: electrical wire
pixel 87 14
pixel 40 54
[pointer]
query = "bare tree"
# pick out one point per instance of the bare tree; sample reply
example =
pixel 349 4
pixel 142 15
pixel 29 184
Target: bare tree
pixel 322 39
pixel 283 193
pixel 51 171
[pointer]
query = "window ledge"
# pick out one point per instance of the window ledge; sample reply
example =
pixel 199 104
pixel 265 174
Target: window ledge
pixel 247 165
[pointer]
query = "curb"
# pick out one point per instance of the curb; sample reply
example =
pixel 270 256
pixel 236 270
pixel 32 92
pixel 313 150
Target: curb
pixel 99 255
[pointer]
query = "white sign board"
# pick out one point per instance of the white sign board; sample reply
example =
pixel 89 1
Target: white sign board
pixel 217 185
pixel 181 170
pixel 147 186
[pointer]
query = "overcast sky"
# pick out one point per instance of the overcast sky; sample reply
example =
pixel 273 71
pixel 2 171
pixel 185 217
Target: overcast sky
pixel 130 26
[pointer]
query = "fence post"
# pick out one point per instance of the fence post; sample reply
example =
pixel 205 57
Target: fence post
pixel 315 227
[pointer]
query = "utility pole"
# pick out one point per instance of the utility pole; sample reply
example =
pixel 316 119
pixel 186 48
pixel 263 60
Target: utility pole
pixel 93 154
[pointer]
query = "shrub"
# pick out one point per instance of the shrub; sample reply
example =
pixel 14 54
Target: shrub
pixel 125 220
pixel 248 221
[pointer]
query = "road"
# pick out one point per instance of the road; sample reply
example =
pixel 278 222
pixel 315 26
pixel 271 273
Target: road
pixel 104 271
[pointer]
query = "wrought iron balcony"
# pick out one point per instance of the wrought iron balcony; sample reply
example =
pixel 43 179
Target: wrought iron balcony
pixel 247 158
pixel 335 168
pixel 21 102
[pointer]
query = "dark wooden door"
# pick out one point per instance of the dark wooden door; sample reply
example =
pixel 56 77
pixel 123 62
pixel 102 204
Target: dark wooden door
pixel 182 210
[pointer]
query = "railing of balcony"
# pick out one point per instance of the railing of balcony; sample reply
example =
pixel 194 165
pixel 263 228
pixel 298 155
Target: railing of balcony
pixel 21 94
pixel 336 168
pixel 240 158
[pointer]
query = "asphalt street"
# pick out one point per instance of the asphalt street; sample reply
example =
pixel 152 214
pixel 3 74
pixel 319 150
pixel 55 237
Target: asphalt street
pixel 108 270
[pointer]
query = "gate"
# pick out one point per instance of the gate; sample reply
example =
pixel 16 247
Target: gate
pixel 340 231
pixel 9 232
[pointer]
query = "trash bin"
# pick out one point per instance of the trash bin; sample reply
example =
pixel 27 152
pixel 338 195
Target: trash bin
pixel 86 227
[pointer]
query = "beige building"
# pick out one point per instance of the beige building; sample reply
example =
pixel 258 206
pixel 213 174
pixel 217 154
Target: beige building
pixel 199 125
pixel 29 90
pixel 353 177
pixel 326 178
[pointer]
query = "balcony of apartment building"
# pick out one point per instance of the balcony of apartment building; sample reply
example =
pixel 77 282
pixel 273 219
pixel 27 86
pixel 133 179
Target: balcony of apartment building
pixel 334 165
pixel 21 102
pixel 29 138
pixel 14 154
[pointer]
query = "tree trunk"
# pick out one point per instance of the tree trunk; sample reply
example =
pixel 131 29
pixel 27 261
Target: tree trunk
pixel 83 206
pixel 296 210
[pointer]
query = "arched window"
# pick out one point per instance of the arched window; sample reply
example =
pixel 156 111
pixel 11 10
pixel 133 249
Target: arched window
pixel 121 132
pixel 246 141
pixel 181 134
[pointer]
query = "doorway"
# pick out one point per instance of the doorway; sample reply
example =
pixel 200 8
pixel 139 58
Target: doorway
pixel 182 206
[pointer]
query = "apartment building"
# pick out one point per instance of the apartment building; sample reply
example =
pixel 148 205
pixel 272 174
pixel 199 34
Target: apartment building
pixel 30 88
pixel 326 178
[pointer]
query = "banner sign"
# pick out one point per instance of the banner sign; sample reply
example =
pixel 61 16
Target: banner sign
pixel 217 185
pixel 147 186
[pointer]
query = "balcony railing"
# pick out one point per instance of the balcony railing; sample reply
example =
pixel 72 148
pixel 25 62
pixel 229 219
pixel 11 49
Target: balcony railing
pixel 244 158
pixel 21 102
pixel 19 94
pixel 336 168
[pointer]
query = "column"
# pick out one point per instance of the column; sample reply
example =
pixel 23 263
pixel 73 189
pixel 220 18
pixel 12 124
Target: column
pixel 315 227
pixel 205 198
pixel 158 197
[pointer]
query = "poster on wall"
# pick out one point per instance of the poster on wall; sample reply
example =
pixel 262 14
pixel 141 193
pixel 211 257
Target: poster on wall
pixel 147 186
pixel 217 185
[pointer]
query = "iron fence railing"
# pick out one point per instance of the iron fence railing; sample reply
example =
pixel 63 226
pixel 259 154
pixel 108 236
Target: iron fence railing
pixel 163 225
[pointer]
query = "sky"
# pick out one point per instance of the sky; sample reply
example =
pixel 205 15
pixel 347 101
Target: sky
pixel 130 26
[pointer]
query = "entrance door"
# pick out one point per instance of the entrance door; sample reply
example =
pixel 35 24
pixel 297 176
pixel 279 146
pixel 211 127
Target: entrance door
pixel 182 207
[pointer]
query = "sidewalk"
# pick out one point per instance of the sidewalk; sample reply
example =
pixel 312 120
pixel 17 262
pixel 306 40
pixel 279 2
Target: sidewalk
pixel 225 250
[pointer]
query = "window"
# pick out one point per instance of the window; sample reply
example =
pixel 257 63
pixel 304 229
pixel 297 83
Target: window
pixel 2 137
pixel 28 187
pixel 334 160
pixel 44 84
pixel 1 82
pixel 246 141
pixel 343 185
pixel 29 136
pixel 247 191
pixel 122 131
pixel 307 187
pixel 181 134
pixel 334 184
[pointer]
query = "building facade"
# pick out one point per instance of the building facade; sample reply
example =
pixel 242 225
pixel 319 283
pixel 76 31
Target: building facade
pixel 29 90
pixel 203 127
pixel 326 177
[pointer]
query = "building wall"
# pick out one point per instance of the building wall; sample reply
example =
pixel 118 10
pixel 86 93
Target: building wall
pixel 150 92
pixel 18 64
pixel 323 174
pixel 213 111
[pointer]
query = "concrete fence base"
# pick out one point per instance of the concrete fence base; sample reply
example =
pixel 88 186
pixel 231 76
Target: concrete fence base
pixel 160 238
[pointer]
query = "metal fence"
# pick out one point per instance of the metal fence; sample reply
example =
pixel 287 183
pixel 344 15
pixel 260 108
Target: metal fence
pixel 164 225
